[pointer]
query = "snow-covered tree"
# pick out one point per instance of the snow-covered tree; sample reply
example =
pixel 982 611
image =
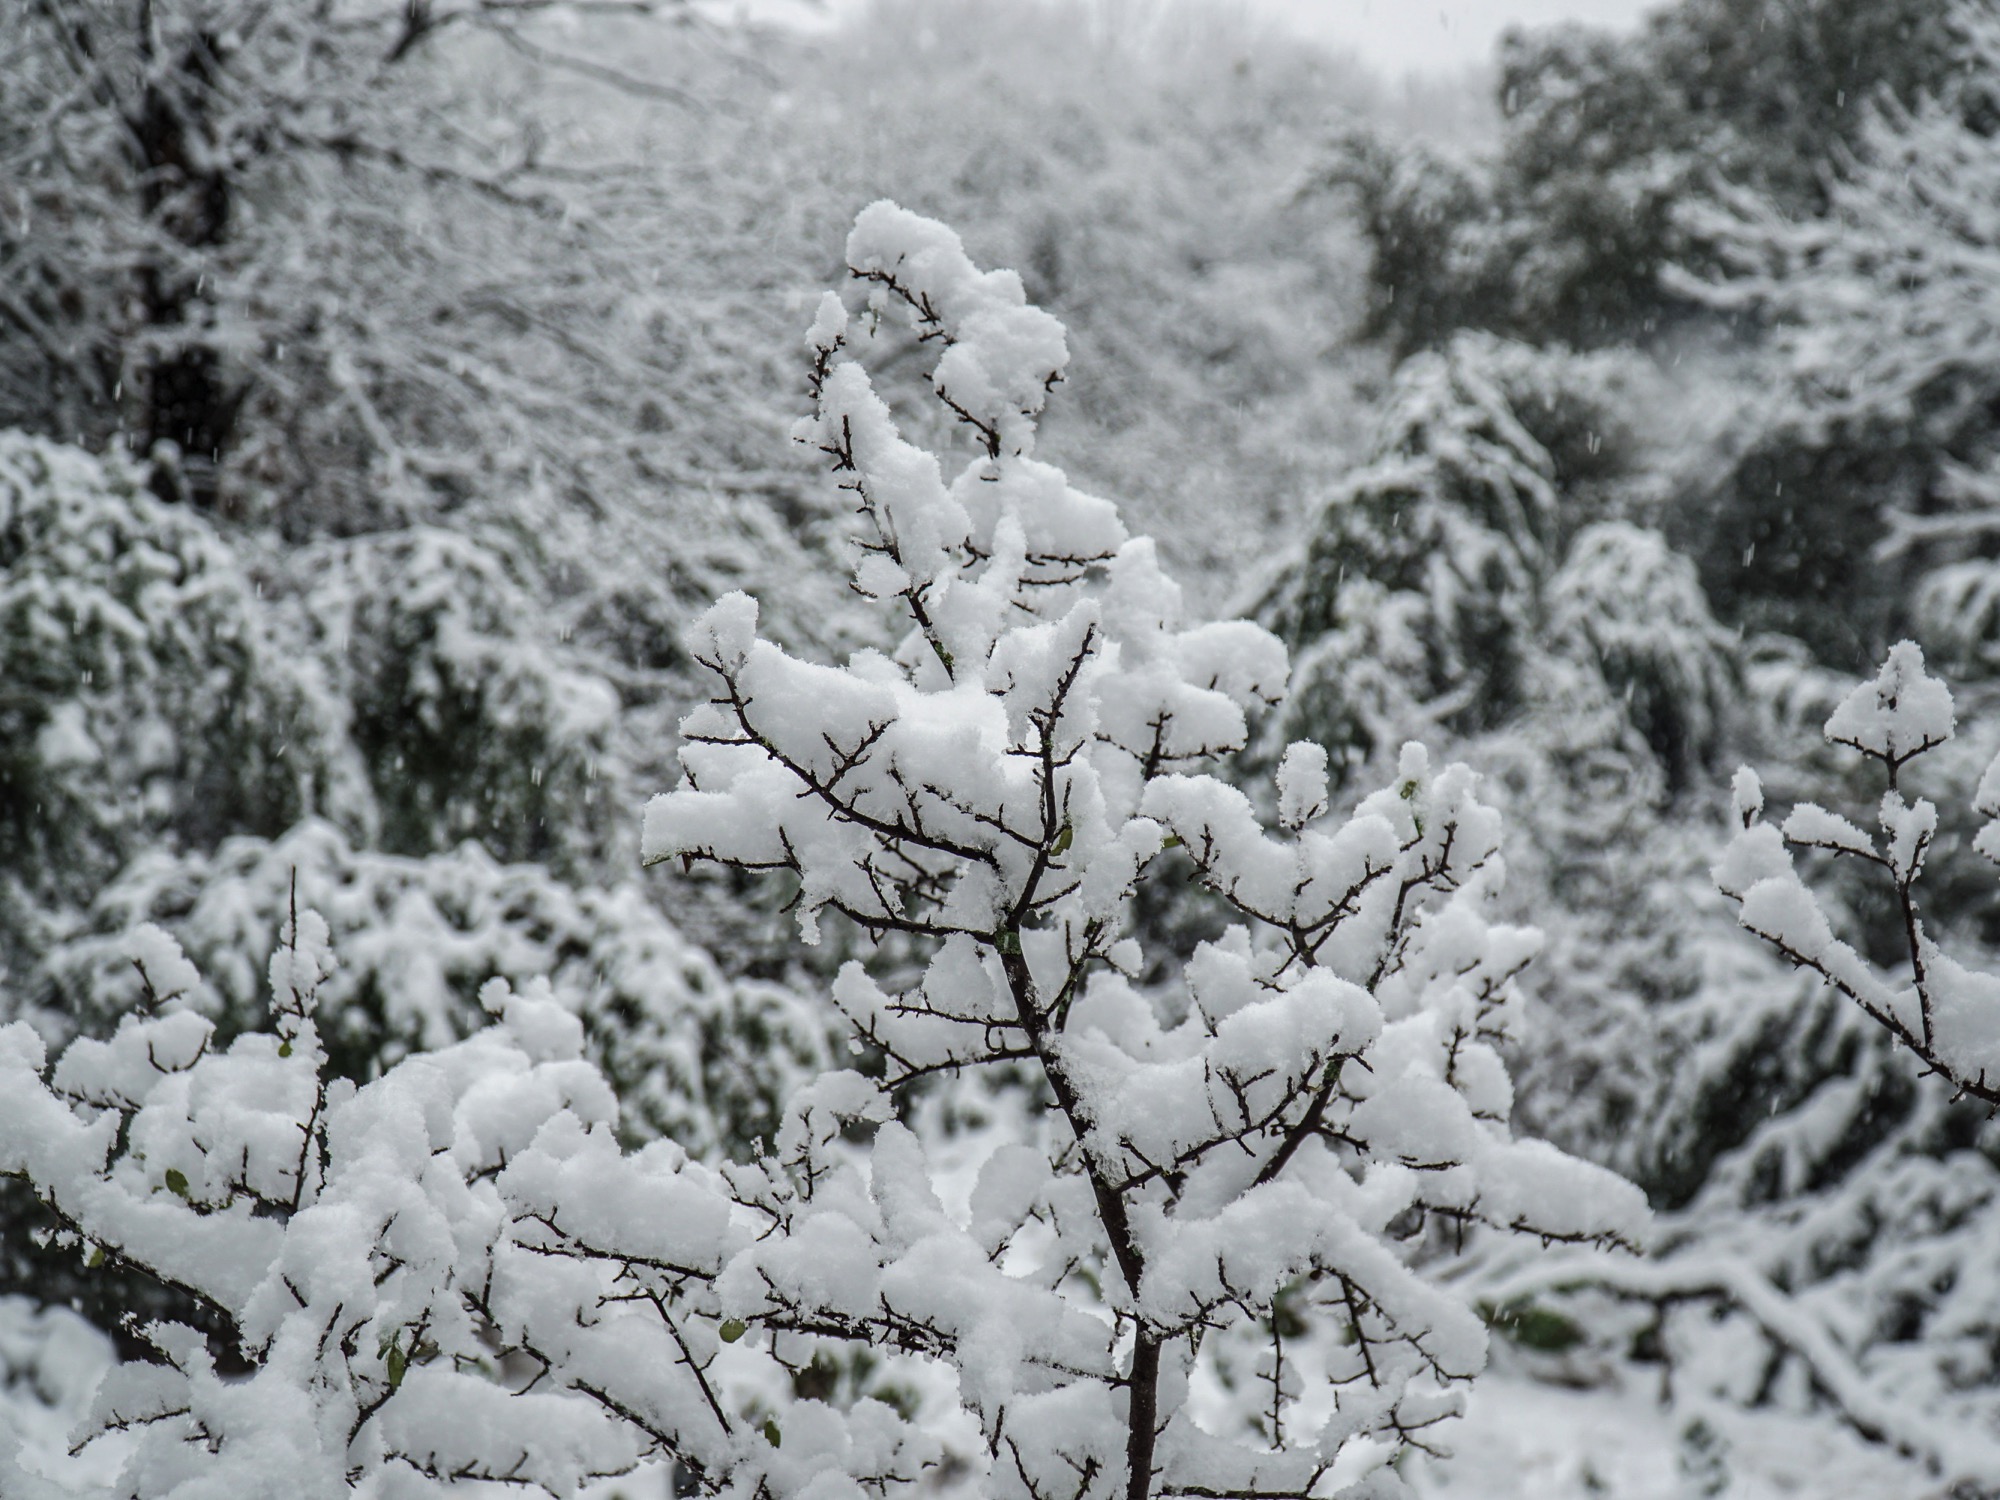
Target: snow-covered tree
pixel 331 270
pixel 1205 1268
pixel 1484 561
pixel 190 178
pixel 1605 140
pixel 1879 420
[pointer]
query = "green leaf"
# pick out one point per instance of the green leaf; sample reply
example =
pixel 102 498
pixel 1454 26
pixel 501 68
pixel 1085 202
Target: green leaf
pixel 771 1433
pixel 904 1398
pixel 399 1364
pixel 1171 841
pixel 733 1330
pixel 1063 840
pixel 177 1182
pixel 284 1049
pixel 96 1258
pixel 1533 1326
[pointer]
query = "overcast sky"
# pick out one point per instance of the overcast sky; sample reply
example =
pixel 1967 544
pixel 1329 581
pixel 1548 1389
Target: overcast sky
pixel 1401 36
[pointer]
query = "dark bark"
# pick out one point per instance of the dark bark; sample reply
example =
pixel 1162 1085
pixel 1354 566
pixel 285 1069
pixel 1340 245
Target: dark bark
pixel 186 196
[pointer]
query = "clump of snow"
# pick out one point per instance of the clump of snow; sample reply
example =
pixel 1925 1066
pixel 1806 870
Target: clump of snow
pixel 162 966
pixel 1902 713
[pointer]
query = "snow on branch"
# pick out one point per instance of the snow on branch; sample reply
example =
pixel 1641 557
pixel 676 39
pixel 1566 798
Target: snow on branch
pixel 1945 1013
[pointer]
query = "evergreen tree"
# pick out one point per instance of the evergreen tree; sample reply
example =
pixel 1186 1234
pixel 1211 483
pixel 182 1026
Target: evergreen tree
pixel 1607 143
pixel 1884 423
pixel 1437 580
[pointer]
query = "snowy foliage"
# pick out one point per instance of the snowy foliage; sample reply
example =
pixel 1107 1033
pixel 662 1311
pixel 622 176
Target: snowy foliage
pixel 1606 139
pixel 994 790
pixel 478 372
pixel 692 1054
pixel 236 244
pixel 147 692
pixel 1880 385
pixel 472 721
pixel 1883 302
pixel 1627 603
pixel 1946 1014
pixel 339 270
pixel 453 1271
pixel 1836 1251
pixel 1419 575
pixel 1475 568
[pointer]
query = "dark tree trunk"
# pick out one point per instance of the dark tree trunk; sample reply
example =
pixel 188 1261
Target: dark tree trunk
pixel 183 390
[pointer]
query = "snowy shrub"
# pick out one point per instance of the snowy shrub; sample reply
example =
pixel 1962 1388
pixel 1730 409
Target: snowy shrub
pixel 1561 226
pixel 1205 1268
pixel 472 721
pixel 1473 574
pixel 1414 596
pixel 692 1054
pixel 1630 605
pixel 147 692
pixel 1878 417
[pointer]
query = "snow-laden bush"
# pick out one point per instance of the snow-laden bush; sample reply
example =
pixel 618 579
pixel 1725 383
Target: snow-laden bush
pixel 693 1054
pixel 1478 571
pixel 1414 597
pixel 147 692
pixel 1626 603
pixel 1205 1268
pixel 1608 146
pixel 1880 385
pixel 472 721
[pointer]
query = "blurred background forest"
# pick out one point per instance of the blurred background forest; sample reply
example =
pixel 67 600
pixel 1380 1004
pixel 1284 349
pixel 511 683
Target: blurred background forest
pixel 383 385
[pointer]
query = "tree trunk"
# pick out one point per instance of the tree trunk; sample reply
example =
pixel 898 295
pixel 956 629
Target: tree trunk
pixel 185 399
